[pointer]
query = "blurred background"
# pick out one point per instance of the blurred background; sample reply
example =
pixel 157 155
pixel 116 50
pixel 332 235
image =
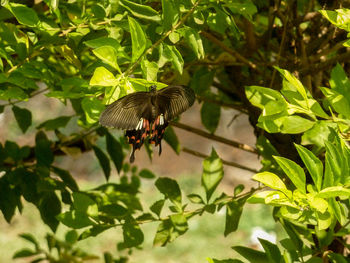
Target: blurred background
pixel 205 236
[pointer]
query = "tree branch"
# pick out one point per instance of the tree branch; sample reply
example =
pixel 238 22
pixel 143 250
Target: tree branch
pixel 213 137
pixel 233 164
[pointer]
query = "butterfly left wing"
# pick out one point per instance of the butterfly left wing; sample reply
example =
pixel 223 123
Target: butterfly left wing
pixel 174 100
pixel 125 113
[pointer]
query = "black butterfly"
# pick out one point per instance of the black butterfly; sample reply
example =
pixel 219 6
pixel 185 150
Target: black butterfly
pixel 146 114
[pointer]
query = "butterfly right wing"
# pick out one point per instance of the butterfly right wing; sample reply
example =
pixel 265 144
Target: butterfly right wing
pixel 126 112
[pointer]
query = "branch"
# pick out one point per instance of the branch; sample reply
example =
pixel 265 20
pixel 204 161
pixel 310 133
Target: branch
pixel 213 137
pixel 237 106
pixel 232 52
pixel 233 164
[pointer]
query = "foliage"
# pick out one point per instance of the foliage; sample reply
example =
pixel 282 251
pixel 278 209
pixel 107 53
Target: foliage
pixel 89 53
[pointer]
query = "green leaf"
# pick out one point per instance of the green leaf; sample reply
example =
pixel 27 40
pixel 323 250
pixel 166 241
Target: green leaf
pixel 104 161
pixel 295 124
pixel 84 204
pixel 171 138
pixel 338 210
pixel 54 124
pixel 333 191
pixel 13 93
pixel 103 77
pixel 23 117
pixel 210 115
pixel 149 70
pixel 319 133
pixel 179 222
pixel 294 172
pixel 145 173
pixel 339 17
pixel 335 161
pixel 75 219
pixel 66 177
pixel 260 96
pixel 272 251
pixel 92 108
pixel 115 151
pixel 157 207
pixel 50 207
pixel 195 199
pixel 213 172
pixel 71 237
pixel 132 234
pixel 251 255
pixel 313 165
pixel 138 39
pixel 173 55
pixel 43 152
pixel 108 55
pixel 171 13
pixel 338 101
pixel 194 40
pixel 170 189
pixel 140 11
pixel 163 234
pixel 30 238
pixel 25 252
pixel 233 214
pixel 202 80
pixel 24 15
pixel 213 260
pixel 271 180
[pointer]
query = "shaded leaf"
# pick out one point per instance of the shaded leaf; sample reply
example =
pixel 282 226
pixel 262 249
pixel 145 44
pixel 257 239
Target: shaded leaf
pixel 23 117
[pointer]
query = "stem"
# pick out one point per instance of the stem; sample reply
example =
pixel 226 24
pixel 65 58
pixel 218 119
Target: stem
pixel 213 137
pixel 229 163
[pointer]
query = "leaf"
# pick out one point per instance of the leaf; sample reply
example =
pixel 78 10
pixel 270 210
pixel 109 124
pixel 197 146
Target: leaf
pixel 294 172
pixel 313 165
pixel 92 108
pixel 66 177
pixel 233 214
pixel 132 234
pixel 108 55
pixel 23 117
pixel 171 138
pixel 145 173
pixel 149 70
pixel 195 199
pixel 213 173
pixel 272 251
pixel 24 15
pixel 75 219
pixel 271 180
pixel 103 77
pixel 50 207
pixel 25 252
pixel 319 133
pixel 295 124
pixel 210 115
pixel 334 161
pixel 84 204
pixel 171 13
pixel 179 222
pixel 104 161
pixel 194 40
pixel 157 207
pixel 173 55
pixel 115 151
pixel 251 255
pixel 54 124
pixel 140 11
pixel 30 238
pixel 338 101
pixel 163 234
pixel 170 189
pixel 333 191
pixel 260 96
pixel 43 152
pixel 138 39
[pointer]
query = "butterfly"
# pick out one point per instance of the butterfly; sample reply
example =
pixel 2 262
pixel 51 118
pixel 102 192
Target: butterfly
pixel 146 114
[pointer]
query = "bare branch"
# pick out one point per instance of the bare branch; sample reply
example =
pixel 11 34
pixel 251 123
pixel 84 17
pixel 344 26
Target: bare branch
pixel 213 137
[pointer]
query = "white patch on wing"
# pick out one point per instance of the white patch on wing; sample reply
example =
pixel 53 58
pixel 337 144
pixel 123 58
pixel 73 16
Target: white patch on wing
pixel 140 124
pixel 161 119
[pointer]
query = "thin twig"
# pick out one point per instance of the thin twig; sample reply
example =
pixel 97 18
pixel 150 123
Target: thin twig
pixel 223 104
pixel 232 52
pixel 213 137
pixel 229 163
pixel 30 96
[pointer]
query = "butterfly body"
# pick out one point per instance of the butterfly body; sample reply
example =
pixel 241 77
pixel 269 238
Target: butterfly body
pixel 146 114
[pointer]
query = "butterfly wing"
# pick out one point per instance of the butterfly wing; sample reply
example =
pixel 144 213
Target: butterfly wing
pixel 174 100
pixel 126 112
